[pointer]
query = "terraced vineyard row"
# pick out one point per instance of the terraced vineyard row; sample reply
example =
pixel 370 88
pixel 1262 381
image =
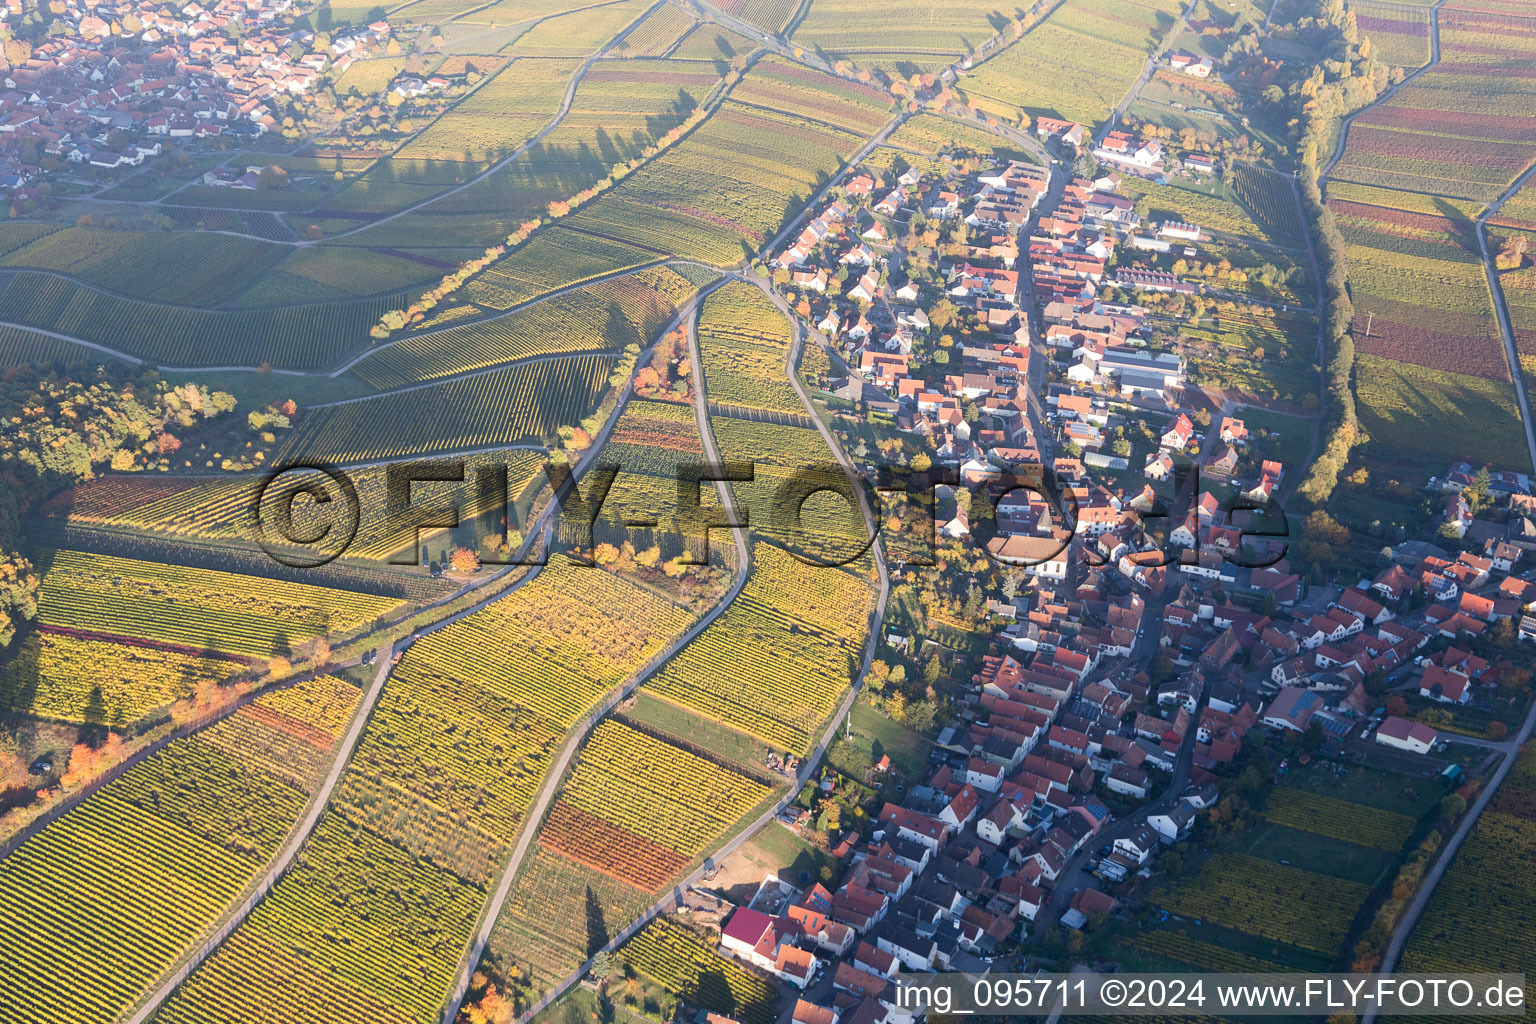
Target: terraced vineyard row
pixel 776 663
pixel 681 962
pixel 95 908
pixel 518 405
pixel 607 315
pixel 658 791
pixel 744 342
pixel 299 337
pixel 1338 819
pixel 220 509
pixel 201 608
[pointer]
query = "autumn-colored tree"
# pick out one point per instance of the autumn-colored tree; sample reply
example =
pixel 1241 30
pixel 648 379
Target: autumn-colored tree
pixel 279 667
pixel 1512 253
pixel 464 560
pixel 87 762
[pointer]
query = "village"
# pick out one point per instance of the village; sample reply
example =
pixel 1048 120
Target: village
pixel 1154 633
pixel 106 87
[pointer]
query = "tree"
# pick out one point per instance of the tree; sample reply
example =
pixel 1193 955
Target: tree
pixel 271 177
pixel 464 560
pixel 1451 806
pixel 1512 253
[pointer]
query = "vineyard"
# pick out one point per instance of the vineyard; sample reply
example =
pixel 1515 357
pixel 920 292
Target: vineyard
pixel 769 15
pixel 96 907
pixel 74 679
pixel 744 343
pixel 162 266
pixel 649 444
pixel 721 192
pixel 1462 128
pixel 299 337
pixel 1203 956
pixel 369 77
pixel 1437 415
pixel 555 258
pixel 1479 916
pixel 1519 210
pixel 711 43
pixel 1338 819
pixel 786 461
pixel 658 791
pixel 1262 206
pixel 580 32
pixel 220 509
pixel 778 84
pixel 1263 898
pixel 1398 35
pixel 19 347
pixel 197 609
pixel 678 960
pixel 517 405
pixel 1429 346
pixel 931 134
pixel 560 911
pixel 473 699
pixel 334 274
pixel 606 315
pixel 895 33
pixel 490 122
pixel 1077 64
pixel 777 662
pixel 658 33
pixel 384 896
pixel 618 111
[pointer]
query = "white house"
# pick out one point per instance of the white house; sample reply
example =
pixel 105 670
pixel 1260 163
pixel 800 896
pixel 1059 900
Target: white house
pixel 1405 735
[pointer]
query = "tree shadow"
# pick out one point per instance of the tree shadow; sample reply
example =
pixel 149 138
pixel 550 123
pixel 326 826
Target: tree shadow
pixel 597 926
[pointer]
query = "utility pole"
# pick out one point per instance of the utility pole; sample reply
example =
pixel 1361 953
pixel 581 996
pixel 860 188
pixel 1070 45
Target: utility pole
pixel 1370 318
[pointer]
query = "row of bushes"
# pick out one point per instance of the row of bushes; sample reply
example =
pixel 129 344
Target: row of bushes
pixel 1343 81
